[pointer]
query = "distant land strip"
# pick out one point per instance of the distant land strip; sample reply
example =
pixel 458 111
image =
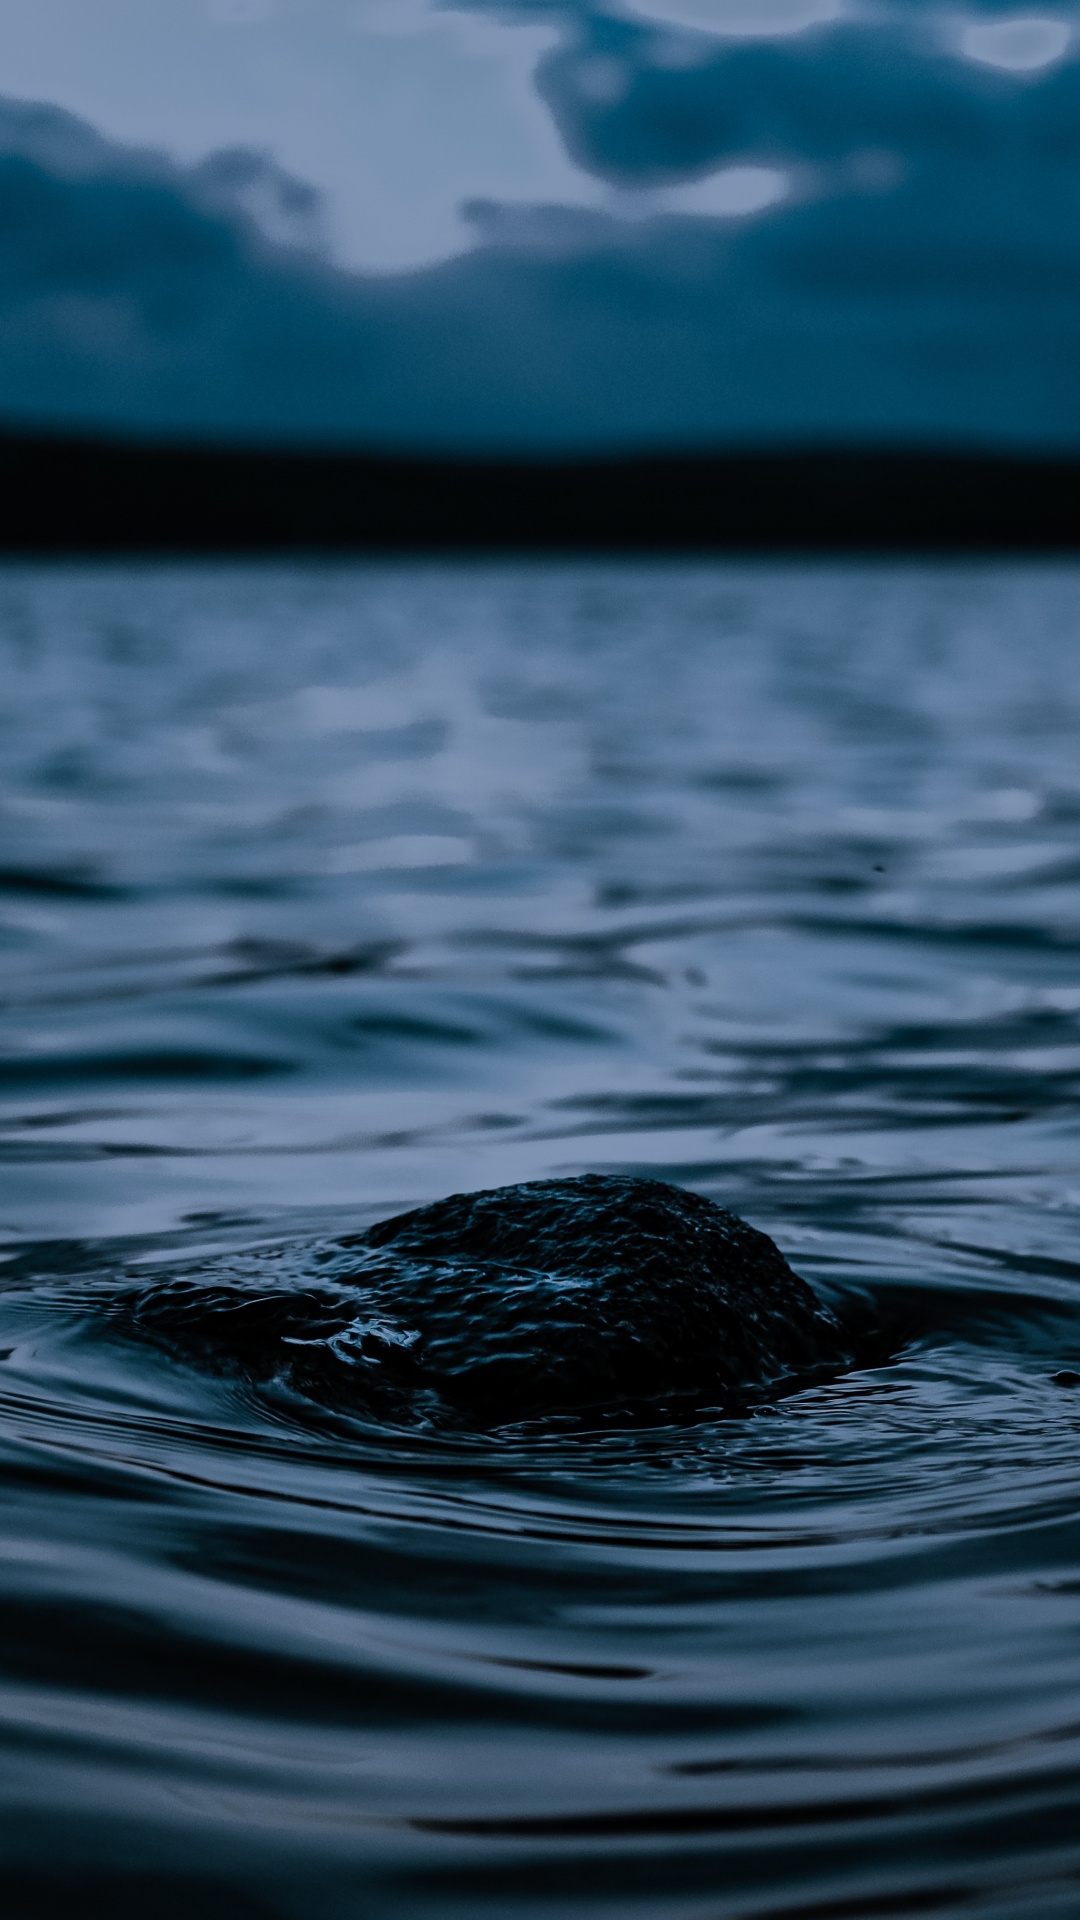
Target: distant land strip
pixel 87 496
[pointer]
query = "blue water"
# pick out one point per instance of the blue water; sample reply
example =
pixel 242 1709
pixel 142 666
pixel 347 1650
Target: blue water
pixel 328 890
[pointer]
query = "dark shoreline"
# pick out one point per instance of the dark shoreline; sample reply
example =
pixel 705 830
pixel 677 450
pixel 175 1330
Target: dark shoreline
pixel 83 495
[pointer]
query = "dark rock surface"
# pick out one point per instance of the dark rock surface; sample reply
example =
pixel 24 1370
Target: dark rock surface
pixel 601 1292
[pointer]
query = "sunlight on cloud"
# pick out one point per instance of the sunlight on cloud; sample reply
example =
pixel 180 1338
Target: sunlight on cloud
pixel 730 193
pixel 1025 44
pixel 745 19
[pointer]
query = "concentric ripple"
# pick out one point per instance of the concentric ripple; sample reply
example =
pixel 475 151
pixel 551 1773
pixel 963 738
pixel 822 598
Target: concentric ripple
pixel 328 892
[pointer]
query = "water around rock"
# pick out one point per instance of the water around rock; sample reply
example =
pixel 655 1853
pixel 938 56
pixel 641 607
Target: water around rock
pixel 329 889
pixel 607 1291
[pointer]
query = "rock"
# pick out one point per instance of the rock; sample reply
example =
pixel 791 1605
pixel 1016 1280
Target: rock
pixel 605 1292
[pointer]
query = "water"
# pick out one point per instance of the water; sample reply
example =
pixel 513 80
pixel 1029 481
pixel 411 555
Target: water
pixel 330 890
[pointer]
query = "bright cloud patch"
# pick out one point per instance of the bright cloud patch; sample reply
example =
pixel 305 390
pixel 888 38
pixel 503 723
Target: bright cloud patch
pixel 744 19
pixel 729 194
pixel 1023 45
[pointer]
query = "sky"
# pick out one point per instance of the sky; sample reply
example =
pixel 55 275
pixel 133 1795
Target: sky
pixel 542 223
pixel 397 111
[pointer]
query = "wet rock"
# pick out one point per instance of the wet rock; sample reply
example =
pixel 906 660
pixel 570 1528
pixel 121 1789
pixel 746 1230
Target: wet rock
pixel 601 1292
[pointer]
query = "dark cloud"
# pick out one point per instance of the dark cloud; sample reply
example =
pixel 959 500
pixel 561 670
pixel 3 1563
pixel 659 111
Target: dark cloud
pixel 922 282
pixel 631 111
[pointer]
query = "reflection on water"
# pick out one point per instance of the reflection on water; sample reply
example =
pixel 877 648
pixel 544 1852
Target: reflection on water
pixel 330 890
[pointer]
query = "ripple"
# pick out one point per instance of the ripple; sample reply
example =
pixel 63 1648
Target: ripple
pixel 772 895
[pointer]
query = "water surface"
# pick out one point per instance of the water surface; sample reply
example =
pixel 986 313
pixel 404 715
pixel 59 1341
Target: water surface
pixel 329 890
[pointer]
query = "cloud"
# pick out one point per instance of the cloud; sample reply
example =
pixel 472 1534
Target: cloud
pixel 815 96
pixel 749 19
pixel 851 233
pixel 1026 44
